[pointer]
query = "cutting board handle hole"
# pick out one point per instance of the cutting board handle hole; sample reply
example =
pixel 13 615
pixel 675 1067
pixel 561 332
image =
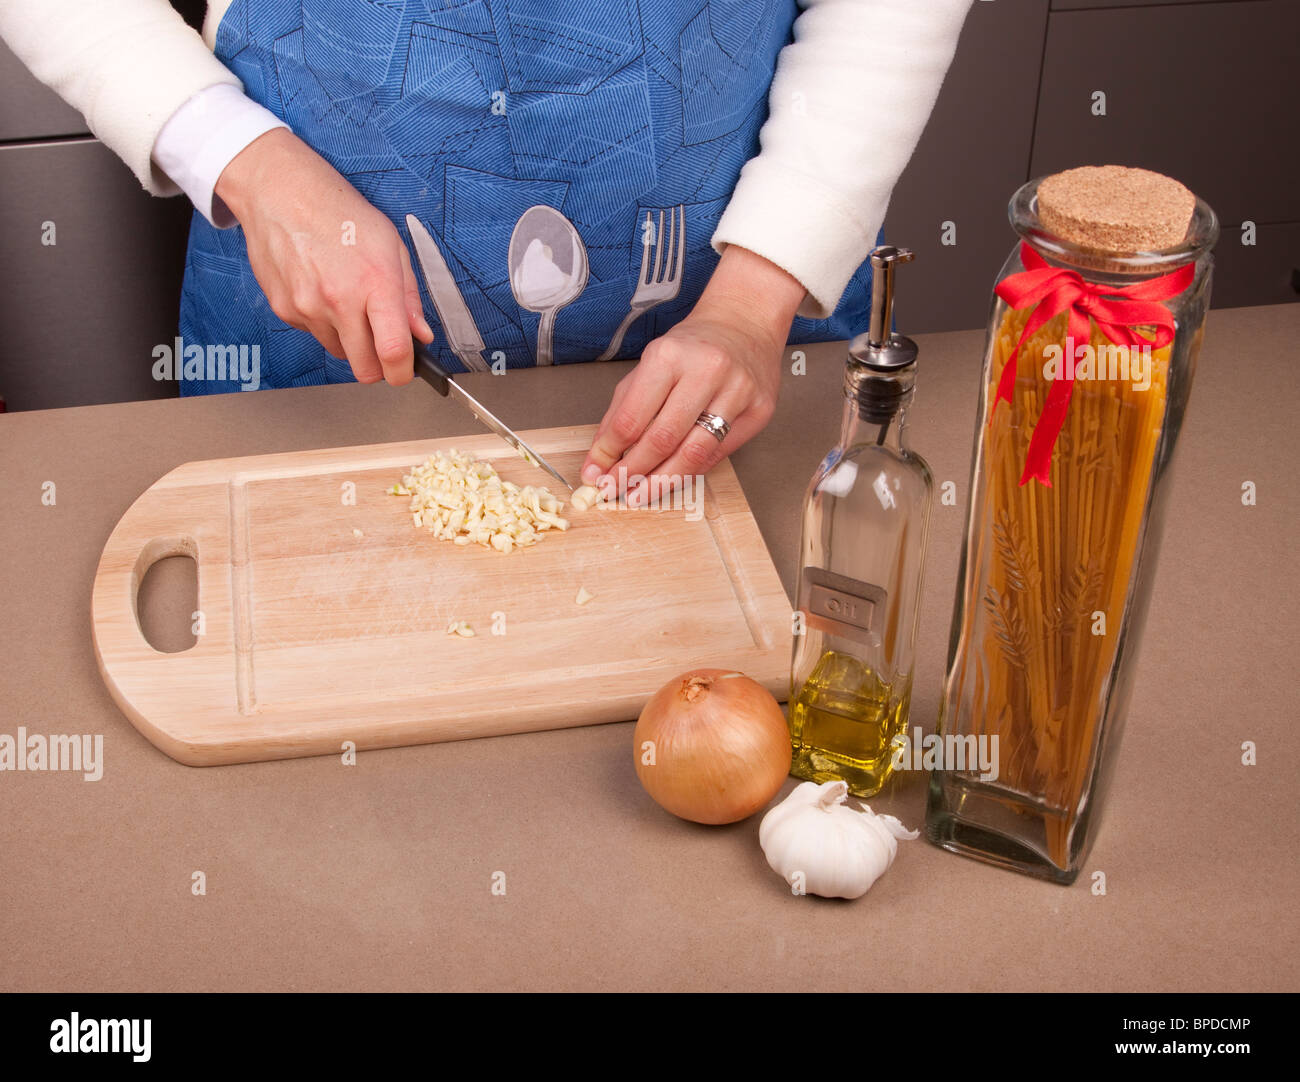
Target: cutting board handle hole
pixel 167 603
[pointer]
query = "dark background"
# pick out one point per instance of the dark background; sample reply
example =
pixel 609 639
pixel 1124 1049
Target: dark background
pixel 1203 90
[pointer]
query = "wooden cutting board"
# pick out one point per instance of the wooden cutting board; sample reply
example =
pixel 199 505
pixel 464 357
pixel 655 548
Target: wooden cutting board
pixel 315 636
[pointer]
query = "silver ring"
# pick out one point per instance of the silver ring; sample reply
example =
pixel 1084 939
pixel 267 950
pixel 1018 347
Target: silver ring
pixel 713 425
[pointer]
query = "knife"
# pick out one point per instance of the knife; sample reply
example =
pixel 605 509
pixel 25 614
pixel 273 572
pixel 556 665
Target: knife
pixel 429 370
pixel 457 323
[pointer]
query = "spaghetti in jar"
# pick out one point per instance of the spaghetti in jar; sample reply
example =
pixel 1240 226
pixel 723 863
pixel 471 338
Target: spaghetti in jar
pixel 1097 319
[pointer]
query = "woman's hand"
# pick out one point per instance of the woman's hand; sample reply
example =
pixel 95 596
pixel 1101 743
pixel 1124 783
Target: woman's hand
pixel 329 263
pixel 723 358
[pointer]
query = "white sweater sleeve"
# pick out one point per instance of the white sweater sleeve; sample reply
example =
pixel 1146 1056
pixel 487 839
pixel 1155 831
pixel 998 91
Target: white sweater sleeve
pixel 848 103
pixel 202 138
pixel 127 65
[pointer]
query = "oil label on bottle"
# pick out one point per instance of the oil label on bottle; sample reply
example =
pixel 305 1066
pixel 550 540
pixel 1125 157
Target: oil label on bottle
pixel 839 605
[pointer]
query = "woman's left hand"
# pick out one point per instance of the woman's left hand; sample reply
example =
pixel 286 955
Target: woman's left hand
pixel 724 358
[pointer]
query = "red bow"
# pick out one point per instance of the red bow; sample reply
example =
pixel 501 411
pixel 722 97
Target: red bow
pixel 1051 291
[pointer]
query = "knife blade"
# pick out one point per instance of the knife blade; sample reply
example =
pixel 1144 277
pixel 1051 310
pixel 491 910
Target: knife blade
pixel 429 370
pixel 454 315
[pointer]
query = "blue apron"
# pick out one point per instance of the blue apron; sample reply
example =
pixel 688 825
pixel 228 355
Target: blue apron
pixel 466 113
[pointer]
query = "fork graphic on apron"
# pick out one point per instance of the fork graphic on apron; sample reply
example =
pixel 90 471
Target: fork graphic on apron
pixel 661 270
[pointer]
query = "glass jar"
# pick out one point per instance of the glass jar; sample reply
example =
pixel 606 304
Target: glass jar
pixel 1061 537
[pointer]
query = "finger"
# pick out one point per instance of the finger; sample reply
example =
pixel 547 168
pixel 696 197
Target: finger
pixel 319 327
pixel 359 347
pixel 414 305
pixel 390 329
pixel 698 451
pixel 663 435
pixel 326 335
pixel 593 472
pixel 634 406
pixel 701 451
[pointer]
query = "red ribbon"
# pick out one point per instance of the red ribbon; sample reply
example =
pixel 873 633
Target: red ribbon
pixel 1116 310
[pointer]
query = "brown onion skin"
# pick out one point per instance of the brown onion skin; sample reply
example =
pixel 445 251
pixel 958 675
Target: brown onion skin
pixel 733 769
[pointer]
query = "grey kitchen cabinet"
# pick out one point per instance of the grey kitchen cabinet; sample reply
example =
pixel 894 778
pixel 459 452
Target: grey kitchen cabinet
pixel 1265 272
pixel 1199 89
pixel 81 316
pixel 29 109
pixel 1076 5
pixel 973 154
pixel 1202 92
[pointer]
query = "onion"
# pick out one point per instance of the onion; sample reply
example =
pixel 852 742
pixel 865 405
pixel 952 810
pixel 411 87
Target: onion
pixel 712 746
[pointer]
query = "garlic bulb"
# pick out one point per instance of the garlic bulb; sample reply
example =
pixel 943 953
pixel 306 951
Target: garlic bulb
pixel 819 845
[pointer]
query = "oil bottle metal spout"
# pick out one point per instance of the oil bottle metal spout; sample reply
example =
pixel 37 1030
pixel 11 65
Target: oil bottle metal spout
pixel 880 348
pixel 878 373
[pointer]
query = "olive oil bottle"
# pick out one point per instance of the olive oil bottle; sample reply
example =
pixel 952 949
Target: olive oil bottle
pixel 865 521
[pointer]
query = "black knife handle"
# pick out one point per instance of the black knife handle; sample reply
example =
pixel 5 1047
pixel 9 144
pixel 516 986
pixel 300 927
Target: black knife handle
pixel 429 370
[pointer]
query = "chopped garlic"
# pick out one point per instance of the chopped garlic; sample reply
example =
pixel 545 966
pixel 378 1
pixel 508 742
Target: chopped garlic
pixel 547 519
pixel 463 500
pixel 584 498
pixel 357 533
pixel 461 628
pixel 583 597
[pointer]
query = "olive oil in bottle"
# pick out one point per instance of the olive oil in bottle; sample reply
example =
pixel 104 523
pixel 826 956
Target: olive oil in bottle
pixel 865 520
pixel 844 722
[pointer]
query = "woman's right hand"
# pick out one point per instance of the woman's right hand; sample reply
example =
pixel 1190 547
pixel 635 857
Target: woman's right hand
pixel 329 263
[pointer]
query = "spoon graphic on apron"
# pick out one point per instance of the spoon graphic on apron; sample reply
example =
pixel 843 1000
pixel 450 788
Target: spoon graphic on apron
pixel 548 268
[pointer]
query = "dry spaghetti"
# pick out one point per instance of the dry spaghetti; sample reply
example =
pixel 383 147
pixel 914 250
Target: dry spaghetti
pixel 1053 560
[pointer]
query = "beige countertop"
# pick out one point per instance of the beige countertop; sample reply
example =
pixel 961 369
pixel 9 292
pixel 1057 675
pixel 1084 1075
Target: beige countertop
pixel 378 876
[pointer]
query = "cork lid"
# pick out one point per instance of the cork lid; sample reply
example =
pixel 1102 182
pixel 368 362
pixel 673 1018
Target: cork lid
pixel 1113 208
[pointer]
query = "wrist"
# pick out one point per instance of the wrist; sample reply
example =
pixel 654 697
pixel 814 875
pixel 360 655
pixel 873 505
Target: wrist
pixel 247 172
pixel 744 285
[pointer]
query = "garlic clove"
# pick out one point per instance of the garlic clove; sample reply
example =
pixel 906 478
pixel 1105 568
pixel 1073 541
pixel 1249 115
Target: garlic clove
pixel 584 498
